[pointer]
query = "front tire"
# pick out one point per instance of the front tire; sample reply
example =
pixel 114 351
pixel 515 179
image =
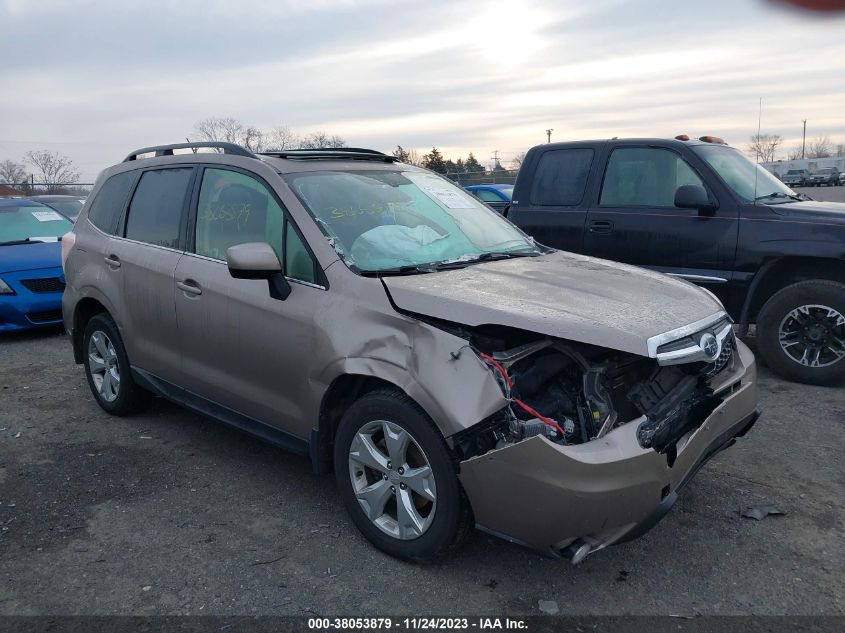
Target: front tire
pixel 397 478
pixel 107 368
pixel 801 332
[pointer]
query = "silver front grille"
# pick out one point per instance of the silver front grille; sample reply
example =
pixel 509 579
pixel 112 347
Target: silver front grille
pixel 704 341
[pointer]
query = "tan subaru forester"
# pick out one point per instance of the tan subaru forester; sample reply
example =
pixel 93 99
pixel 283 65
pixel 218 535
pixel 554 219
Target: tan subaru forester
pixel 376 317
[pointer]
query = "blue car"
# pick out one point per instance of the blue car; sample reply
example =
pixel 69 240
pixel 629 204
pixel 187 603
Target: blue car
pixel 31 276
pixel 496 196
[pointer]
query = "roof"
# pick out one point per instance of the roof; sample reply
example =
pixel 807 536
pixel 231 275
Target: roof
pixel 625 141
pixel 6 190
pixel 54 198
pixel 492 185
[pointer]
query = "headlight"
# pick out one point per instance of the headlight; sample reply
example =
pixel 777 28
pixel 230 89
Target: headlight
pixel 4 288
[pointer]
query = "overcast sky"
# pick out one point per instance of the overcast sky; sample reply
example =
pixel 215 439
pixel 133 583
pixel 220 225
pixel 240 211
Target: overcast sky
pixel 95 79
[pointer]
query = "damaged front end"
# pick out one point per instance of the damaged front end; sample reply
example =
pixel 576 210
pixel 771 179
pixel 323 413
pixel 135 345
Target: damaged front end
pixel 593 441
pixel 574 393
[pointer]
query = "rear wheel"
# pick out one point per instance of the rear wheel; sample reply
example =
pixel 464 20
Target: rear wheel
pixel 107 368
pixel 801 332
pixel 397 479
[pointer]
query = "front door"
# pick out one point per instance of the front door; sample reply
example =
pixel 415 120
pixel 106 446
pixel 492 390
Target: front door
pixel 241 348
pixel 636 220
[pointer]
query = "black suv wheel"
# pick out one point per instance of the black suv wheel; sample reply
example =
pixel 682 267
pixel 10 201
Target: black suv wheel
pixel 801 332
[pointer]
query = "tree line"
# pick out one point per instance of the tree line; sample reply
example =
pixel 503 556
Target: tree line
pixel 765 146
pixel 276 139
pixel 42 166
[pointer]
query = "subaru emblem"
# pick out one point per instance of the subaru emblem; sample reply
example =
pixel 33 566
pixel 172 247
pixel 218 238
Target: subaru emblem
pixel 709 345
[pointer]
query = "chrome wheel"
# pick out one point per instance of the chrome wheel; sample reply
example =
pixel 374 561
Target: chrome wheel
pixel 392 479
pixel 102 364
pixel 813 335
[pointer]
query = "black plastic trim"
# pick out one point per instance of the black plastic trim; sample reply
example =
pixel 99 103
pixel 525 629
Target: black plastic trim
pixel 218 412
pixel 167 150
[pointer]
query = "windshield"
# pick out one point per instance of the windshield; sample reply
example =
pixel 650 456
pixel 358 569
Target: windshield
pixel 379 220
pixel 794 172
pixel 36 223
pixel 748 181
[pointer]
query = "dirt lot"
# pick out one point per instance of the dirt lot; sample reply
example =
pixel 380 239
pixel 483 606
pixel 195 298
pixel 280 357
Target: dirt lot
pixel 169 513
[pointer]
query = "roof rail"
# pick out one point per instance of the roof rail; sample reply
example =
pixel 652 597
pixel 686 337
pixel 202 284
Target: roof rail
pixel 328 153
pixel 167 150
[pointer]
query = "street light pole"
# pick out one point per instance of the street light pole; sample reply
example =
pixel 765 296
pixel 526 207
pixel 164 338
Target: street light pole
pixel 804 139
pixel 549 134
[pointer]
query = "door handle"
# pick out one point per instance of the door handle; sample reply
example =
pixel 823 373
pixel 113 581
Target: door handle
pixel 601 226
pixel 189 286
pixel 112 260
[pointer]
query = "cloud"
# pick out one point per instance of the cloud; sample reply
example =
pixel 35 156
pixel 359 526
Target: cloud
pixel 95 79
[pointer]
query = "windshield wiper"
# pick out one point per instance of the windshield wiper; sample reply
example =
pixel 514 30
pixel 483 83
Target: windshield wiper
pixel 413 269
pixel 483 257
pixel 778 194
pixel 16 242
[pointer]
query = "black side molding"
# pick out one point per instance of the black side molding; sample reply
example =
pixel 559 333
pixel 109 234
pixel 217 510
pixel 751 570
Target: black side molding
pixel 218 412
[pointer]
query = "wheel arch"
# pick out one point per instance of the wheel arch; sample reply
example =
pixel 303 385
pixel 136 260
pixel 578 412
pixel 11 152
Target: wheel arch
pixel 85 310
pixel 777 274
pixel 344 390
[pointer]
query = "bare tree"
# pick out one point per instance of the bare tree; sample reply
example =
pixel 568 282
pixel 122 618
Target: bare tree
pixel 281 138
pixel 764 146
pixel 820 147
pixel 12 172
pixel 840 150
pixel 517 160
pixel 414 158
pixel 53 168
pixel 794 153
pixel 229 130
pixel 321 140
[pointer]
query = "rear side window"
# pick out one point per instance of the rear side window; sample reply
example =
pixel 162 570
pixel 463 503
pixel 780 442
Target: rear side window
pixel 108 204
pixel 561 177
pixel 487 196
pixel 155 213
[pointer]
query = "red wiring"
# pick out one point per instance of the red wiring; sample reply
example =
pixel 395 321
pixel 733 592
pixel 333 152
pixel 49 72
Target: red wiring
pixel 530 410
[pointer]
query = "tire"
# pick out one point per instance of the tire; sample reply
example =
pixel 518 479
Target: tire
pixel 101 341
pixel 824 303
pixel 443 523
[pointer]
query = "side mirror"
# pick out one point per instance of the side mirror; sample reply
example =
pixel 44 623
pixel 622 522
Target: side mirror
pixel 258 260
pixel 693 197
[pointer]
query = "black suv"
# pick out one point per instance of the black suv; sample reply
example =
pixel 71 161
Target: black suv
pixel 700 210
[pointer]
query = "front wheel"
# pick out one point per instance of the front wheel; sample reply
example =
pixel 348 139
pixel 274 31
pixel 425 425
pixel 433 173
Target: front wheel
pixel 397 479
pixel 801 332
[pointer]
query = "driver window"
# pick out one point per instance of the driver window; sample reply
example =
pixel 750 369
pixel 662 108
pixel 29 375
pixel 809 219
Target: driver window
pixel 233 209
pixel 645 177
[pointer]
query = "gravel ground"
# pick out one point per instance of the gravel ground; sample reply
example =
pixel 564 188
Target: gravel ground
pixel 170 513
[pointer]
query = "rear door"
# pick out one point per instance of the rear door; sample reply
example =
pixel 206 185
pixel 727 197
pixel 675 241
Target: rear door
pixel 635 220
pixel 551 207
pixel 145 254
pixel 241 348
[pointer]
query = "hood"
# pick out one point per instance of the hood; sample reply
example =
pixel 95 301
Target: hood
pixel 562 295
pixel 30 256
pixel 812 210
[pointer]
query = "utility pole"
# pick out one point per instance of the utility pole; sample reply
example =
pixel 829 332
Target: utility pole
pixel 495 159
pixel 804 140
pixel 549 134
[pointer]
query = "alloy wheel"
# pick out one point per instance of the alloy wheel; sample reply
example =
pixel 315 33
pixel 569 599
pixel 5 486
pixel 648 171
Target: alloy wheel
pixel 103 366
pixel 392 479
pixel 813 335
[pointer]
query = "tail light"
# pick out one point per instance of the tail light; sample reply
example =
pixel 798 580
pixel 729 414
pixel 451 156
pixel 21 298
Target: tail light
pixel 68 241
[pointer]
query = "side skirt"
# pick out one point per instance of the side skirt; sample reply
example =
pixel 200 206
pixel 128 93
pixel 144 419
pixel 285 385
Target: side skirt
pixel 218 412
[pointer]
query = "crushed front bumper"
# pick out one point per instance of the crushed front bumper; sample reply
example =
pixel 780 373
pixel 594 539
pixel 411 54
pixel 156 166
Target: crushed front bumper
pixel 547 496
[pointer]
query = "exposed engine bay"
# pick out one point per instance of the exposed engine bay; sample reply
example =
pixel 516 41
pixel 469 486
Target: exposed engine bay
pixel 575 393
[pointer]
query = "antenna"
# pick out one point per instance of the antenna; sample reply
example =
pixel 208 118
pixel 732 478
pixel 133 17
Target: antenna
pixel 549 134
pixel 757 170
